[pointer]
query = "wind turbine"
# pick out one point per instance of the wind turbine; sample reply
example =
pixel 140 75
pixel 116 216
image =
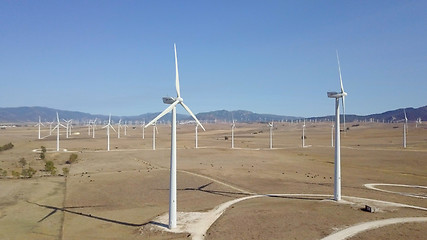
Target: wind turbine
pixel 233 125
pixel 118 128
pixel 58 125
pixel 173 102
pixel 39 125
pixel 88 127
pixel 50 127
pixel 405 129
pixel 93 128
pixel 154 134
pixel 67 126
pixel 271 134
pixel 108 126
pixel 337 96
pixel 125 127
pixel 303 136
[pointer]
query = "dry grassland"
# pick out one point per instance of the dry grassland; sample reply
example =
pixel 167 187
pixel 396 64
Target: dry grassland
pixel 114 195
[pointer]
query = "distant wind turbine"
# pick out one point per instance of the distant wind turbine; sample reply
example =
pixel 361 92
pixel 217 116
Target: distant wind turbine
pixel 155 130
pixel 58 125
pixel 173 102
pixel 108 126
pixel 337 96
pixel 118 128
pixel 271 134
pixel 303 136
pixel 93 128
pixel 233 125
pixel 405 129
pixel 39 125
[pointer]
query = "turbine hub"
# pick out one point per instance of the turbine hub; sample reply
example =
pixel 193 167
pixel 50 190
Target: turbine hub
pixel 179 99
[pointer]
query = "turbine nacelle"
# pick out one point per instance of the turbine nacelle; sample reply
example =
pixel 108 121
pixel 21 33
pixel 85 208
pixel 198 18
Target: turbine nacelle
pixel 336 94
pixel 171 100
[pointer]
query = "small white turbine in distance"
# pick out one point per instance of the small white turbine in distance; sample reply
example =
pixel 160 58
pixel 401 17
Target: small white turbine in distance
pixel 93 128
pixel 155 130
pixel 58 125
pixel 173 102
pixel 67 126
pixel 233 125
pixel 303 134
pixel 39 125
pixel 271 125
pixel 118 128
pixel 405 129
pixel 108 126
pixel 337 96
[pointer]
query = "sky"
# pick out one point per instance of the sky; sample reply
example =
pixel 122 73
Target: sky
pixel 276 57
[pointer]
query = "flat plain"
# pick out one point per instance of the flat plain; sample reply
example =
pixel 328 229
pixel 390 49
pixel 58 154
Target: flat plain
pixel 120 194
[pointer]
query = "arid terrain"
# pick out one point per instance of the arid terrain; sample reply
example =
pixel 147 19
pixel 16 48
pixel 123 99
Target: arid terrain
pixel 123 194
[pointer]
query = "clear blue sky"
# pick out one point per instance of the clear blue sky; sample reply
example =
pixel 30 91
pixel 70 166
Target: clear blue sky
pixel 264 56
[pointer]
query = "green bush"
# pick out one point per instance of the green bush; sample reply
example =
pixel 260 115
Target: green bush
pixel 3 173
pixel 16 174
pixel 50 167
pixel 22 162
pixel 42 154
pixel 6 147
pixel 28 172
pixel 66 171
pixel 72 159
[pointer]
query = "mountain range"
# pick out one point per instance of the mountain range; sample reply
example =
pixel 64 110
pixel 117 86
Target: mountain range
pixel 31 114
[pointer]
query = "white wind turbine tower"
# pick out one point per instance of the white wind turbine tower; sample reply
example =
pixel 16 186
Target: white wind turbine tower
pixel 50 127
pixel 197 143
pixel 108 126
pixel 233 125
pixel 39 125
pixel 93 128
pixel 118 128
pixel 155 130
pixel 271 125
pixel 405 129
pixel 88 127
pixel 172 107
pixel 125 127
pixel 143 130
pixel 67 126
pixel 332 135
pixel 337 96
pixel 303 136
pixel 58 125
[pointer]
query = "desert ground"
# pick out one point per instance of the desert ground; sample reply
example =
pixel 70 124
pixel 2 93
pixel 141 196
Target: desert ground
pixel 249 192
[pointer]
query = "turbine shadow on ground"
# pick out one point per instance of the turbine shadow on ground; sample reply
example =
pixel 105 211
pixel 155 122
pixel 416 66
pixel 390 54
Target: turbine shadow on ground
pixel 65 209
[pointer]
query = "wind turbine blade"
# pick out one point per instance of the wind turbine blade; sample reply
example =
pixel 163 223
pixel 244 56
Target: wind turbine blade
pixel 178 93
pixel 406 119
pixel 157 130
pixel 162 114
pixel 339 70
pixel 113 128
pixel 192 114
pixel 57 117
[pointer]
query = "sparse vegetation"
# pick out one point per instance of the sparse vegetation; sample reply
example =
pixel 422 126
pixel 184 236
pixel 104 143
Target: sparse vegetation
pixel 28 173
pixel 42 154
pixel 22 162
pixel 50 167
pixel 16 174
pixel 3 173
pixel 6 147
pixel 65 171
pixel 72 159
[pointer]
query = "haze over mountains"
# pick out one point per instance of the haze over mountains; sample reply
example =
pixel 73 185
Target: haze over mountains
pixel 31 114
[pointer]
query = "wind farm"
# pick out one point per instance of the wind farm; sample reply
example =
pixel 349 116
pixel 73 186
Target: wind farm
pixel 205 121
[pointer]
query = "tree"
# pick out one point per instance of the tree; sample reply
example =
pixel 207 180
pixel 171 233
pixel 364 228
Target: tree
pixel 50 167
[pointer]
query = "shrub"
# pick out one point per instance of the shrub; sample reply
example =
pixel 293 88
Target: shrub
pixel 42 154
pixel 28 172
pixel 16 174
pixel 66 171
pixel 72 159
pixel 43 149
pixel 6 147
pixel 50 167
pixel 3 173
pixel 22 162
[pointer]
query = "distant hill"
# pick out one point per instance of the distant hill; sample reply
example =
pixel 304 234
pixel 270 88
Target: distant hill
pixel 31 114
